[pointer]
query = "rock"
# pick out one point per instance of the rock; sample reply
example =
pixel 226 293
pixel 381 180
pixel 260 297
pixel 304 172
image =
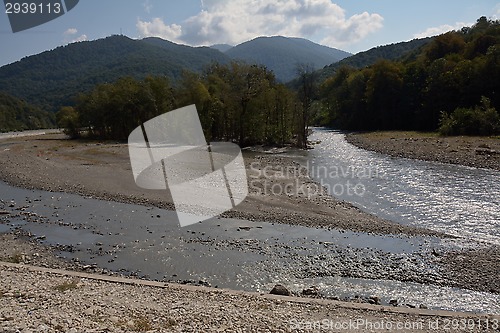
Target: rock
pixel 204 283
pixel 89 311
pixel 486 151
pixel 374 300
pixel 393 302
pixel 280 290
pixel 245 228
pixel 4 212
pixel 311 291
pixel 423 306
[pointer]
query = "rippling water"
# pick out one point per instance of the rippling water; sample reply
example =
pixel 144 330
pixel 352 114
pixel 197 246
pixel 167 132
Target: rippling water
pixel 458 200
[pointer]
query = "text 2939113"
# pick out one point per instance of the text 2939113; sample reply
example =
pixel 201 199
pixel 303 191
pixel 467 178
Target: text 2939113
pixel 33 8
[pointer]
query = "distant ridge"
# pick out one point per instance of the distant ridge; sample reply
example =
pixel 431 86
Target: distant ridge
pixel 222 47
pixel 388 52
pixel 283 54
pixel 53 78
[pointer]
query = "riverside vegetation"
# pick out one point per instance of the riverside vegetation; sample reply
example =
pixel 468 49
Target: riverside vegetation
pixel 235 102
pixel 448 83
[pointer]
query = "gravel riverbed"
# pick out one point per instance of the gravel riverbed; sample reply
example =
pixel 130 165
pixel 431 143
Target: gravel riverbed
pixel 33 300
pixel 102 170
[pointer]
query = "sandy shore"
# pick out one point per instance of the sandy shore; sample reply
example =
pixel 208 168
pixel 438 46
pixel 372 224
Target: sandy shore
pixel 478 152
pixel 102 170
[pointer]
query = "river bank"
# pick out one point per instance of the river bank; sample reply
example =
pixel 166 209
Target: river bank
pixel 477 152
pixel 41 300
pixel 101 170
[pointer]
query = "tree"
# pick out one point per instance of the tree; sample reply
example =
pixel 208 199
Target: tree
pixel 112 111
pixel 236 102
pixel 451 73
pixel 67 118
pixel 481 120
pixel 308 91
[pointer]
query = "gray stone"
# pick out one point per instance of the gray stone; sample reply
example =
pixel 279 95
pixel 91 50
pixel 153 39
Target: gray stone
pixel 280 290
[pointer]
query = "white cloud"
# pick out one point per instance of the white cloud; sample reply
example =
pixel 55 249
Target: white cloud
pixel 235 21
pixel 70 31
pixel 69 36
pixel 157 28
pixel 434 31
pixel 82 38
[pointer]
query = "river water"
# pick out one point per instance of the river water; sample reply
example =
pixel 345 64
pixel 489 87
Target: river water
pixel 454 199
pixel 254 256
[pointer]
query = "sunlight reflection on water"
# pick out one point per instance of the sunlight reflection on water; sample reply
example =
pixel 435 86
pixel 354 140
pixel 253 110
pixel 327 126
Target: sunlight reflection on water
pixel 458 200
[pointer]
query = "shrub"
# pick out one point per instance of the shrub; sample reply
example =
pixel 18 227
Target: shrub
pixel 481 120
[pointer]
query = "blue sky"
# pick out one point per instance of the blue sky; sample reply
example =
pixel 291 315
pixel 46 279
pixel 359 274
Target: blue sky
pixel 350 25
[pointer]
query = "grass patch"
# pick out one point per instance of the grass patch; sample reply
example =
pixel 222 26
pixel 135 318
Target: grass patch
pixel 170 323
pixel 136 323
pixel 264 307
pixel 16 258
pixel 65 286
pixel 142 324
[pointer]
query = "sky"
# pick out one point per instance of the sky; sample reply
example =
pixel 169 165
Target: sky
pixel 350 25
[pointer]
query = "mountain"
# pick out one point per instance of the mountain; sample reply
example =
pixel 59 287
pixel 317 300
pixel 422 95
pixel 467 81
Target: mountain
pixel 363 59
pixel 282 54
pixel 222 47
pixel 53 78
pixel 17 115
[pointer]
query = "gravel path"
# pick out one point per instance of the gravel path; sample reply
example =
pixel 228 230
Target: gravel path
pixel 38 300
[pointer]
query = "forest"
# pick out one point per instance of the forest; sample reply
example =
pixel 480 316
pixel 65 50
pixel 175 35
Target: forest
pixel 451 85
pixel 236 102
pixel 17 115
pixel 448 83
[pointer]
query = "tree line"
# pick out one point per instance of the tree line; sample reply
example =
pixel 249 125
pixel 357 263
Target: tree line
pixel 236 102
pixel 450 85
pixel 18 115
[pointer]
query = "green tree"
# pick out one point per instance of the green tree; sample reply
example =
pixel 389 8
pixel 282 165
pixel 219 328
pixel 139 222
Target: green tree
pixel 481 120
pixel 308 91
pixel 112 111
pixel 68 119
